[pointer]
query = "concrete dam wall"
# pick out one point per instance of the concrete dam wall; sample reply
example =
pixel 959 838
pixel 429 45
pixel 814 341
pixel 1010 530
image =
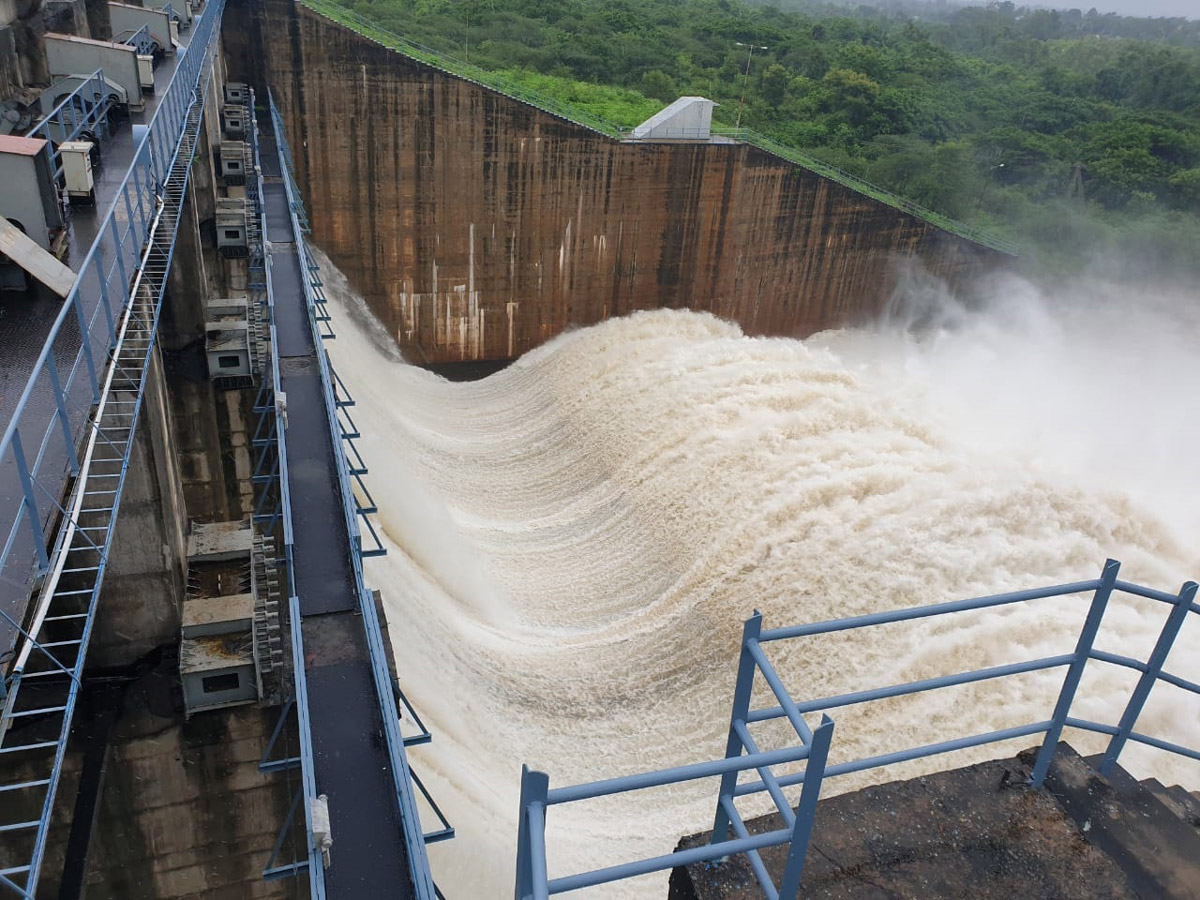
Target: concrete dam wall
pixel 478 226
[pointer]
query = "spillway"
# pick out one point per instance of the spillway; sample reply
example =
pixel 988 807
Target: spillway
pixel 575 541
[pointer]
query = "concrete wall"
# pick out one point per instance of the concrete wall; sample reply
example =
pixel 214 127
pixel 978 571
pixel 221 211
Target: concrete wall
pixel 141 599
pixel 67 17
pixel 127 20
pixel 99 27
pixel 185 812
pixel 70 56
pixel 29 28
pixel 477 227
pixel 10 63
pixel 22 56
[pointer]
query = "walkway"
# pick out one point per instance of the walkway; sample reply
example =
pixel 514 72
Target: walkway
pixel 369 857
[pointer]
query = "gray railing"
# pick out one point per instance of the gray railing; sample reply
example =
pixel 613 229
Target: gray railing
pixel 742 752
pixel 142 41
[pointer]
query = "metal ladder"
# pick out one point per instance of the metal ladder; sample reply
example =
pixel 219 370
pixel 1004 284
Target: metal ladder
pixel 42 693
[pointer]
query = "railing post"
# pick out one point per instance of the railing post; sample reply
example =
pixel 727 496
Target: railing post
pixel 86 345
pixel 534 787
pixel 64 420
pixel 1082 650
pixel 1154 666
pixel 107 301
pixel 31 507
pixel 741 706
pixel 119 251
pixel 806 810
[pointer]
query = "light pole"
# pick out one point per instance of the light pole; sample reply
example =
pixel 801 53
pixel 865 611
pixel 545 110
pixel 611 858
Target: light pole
pixel 746 78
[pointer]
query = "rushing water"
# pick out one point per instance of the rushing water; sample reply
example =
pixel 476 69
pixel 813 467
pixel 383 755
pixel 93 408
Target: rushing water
pixel 575 541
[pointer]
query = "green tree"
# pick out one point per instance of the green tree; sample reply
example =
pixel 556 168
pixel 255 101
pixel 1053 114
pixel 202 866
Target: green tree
pixel 659 85
pixel 1185 189
pixel 851 93
pixel 774 82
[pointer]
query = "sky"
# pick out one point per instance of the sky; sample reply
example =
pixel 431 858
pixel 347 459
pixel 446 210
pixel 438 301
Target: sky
pixel 1140 8
pixel 1189 8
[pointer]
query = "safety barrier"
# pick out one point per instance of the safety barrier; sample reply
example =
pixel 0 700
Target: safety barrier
pixel 498 82
pixel 82 112
pixel 743 753
pixel 49 416
pixel 142 41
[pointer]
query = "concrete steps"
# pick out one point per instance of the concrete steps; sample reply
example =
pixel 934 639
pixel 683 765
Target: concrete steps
pixel 1157 849
pixel 1183 803
pixel 981 832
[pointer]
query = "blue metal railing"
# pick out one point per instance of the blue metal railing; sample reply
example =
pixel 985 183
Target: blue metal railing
pixel 38 448
pixel 142 41
pixel 83 111
pixel 742 752
pixel 415 839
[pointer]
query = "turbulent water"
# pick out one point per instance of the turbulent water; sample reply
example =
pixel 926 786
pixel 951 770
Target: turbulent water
pixel 575 541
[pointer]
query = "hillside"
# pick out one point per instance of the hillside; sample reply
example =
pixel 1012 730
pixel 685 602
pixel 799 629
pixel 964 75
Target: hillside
pixel 1075 134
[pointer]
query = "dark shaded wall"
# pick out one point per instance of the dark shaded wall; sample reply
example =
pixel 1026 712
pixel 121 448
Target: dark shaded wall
pixel 478 227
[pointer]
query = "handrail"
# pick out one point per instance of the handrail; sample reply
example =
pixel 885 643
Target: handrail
pixel 71 120
pixel 95 303
pixel 142 40
pixel 742 753
pixel 172 120
pixel 460 69
pixel 510 88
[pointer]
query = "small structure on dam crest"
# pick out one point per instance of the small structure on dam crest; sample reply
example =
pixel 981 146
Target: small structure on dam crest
pixel 687 119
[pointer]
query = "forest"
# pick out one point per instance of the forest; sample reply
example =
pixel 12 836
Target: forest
pixel 1074 134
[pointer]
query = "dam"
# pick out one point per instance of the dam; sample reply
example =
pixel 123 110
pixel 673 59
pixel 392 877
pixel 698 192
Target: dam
pixel 243 665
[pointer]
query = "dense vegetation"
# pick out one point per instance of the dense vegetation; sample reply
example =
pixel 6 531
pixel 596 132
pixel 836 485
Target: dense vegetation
pixel 1071 132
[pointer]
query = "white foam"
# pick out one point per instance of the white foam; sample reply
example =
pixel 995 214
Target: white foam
pixel 575 541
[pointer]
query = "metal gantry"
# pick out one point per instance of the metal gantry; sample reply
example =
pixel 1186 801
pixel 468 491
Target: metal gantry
pixel 743 754
pixel 354 487
pixel 358 508
pixel 115 306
